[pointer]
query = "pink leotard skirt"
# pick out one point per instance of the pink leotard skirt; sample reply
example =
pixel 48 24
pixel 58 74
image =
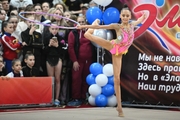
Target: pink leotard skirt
pixel 122 47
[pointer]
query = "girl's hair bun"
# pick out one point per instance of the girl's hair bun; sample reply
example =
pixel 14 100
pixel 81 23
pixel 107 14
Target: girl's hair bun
pixel 125 6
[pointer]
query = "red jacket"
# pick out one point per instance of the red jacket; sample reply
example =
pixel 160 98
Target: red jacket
pixel 10 46
pixel 85 47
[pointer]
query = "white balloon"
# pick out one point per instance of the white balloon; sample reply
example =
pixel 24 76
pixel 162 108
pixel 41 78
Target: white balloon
pixel 108 70
pixel 103 2
pixel 101 80
pixel 94 90
pixel 102 33
pixel 106 2
pixel 109 35
pixel 91 100
pixel 112 102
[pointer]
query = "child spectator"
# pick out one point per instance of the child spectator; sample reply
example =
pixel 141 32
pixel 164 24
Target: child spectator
pixel 10 45
pixel 17 69
pixel 29 70
pixel 14 20
pixel 22 26
pixel 3 71
pixel 53 44
pixel 32 41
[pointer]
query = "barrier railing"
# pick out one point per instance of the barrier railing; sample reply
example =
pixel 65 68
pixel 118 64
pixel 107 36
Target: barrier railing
pixel 26 91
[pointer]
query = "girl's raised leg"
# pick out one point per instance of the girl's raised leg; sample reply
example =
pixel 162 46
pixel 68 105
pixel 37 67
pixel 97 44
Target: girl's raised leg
pixel 98 40
pixel 117 63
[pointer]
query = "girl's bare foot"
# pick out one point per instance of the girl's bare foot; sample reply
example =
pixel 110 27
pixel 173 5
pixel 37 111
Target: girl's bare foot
pixel 120 112
pixel 96 22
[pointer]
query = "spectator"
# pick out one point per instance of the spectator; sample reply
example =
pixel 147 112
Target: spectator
pixel 3 70
pixel 80 52
pixel 20 3
pixel 60 6
pixel 57 1
pixel 14 11
pixel 50 11
pixel 74 6
pixel 14 20
pixel 10 45
pixel 2 18
pixel 6 6
pixel 60 22
pixel 84 8
pixel 2 14
pixel 22 26
pixel 53 44
pixel 29 70
pixel 66 67
pixel 45 31
pixel 32 41
pixel 16 69
pixel 45 7
pixel 92 4
pixel 41 1
pixel 21 9
pixel 39 17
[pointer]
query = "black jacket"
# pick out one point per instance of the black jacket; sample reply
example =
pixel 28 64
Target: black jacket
pixel 30 72
pixel 34 42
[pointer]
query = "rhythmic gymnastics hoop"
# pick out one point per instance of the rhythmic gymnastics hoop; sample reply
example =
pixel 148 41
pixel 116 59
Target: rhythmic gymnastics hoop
pixel 45 24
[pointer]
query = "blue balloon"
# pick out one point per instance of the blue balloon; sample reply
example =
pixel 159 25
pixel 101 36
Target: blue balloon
pixel 108 90
pixel 160 2
pixel 90 79
pixel 92 14
pixel 101 100
pixel 111 80
pixel 111 15
pixel 96 68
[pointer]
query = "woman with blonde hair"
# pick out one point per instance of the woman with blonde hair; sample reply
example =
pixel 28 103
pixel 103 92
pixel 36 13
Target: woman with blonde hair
pixel 50 11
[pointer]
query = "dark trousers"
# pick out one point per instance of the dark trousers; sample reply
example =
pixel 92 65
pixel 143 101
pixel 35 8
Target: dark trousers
pixel 79 85
pixel 65 80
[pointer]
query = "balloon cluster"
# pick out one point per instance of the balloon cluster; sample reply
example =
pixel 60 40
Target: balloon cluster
pixel 102 33
pixel 110 15
pixel 101 85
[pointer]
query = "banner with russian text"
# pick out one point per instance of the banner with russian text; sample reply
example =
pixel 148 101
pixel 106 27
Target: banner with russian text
pixel 151 68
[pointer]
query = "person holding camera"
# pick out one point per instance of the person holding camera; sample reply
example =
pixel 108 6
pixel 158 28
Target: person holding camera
pixel 32 41
pixel 53 44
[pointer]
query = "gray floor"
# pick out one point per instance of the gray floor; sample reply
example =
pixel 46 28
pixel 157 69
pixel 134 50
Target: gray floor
pixel 91 114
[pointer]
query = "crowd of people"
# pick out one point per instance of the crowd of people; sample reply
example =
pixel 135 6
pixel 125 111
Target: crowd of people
pixel 28 49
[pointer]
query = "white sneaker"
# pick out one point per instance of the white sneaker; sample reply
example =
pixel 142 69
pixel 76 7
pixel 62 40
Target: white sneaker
pixel 56 102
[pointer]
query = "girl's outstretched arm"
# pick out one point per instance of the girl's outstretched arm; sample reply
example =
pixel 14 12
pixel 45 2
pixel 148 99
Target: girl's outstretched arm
pixel 95 26
pixel 139 20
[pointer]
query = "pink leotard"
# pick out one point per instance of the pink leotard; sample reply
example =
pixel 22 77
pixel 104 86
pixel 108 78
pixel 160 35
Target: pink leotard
pixel 127 39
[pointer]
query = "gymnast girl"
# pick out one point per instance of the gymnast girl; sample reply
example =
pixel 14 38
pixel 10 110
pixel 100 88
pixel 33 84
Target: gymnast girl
pixel 117 47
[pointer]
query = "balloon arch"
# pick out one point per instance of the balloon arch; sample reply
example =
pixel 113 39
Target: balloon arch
pixel 100 79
